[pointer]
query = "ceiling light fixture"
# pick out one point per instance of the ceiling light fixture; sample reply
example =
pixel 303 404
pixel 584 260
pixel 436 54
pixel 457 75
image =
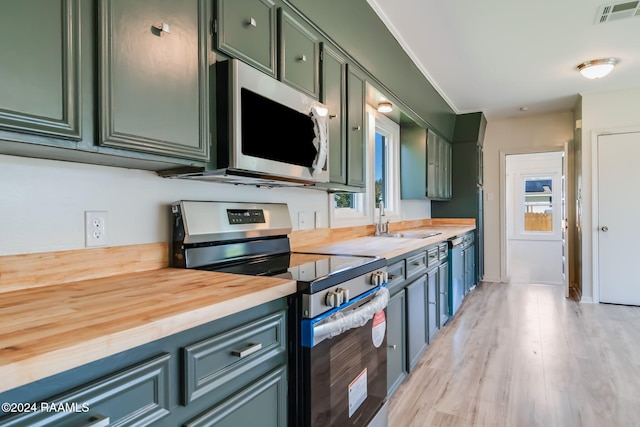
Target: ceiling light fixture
pixel 385 107
pixel 597 68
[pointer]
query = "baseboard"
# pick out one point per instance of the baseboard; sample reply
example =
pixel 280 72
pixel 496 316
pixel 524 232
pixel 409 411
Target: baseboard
pixel 493 279
pixel 586 300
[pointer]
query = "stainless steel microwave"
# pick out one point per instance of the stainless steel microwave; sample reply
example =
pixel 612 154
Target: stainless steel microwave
pixel 264 132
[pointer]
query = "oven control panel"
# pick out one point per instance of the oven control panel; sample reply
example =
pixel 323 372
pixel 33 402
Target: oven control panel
pixel 245 216
pixel 335 296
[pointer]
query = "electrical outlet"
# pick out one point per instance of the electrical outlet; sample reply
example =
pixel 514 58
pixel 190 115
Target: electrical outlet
pixel 95 228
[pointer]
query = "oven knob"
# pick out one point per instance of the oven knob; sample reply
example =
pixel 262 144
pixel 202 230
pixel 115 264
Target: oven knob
pixel 332 299
pixel 376 279
pixel 345 295
pixel 385 276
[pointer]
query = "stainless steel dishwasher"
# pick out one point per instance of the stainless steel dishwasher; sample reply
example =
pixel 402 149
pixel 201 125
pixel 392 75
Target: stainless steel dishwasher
pixel 456 274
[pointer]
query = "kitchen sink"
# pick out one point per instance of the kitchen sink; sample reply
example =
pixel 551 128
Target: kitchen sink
pixel 411 234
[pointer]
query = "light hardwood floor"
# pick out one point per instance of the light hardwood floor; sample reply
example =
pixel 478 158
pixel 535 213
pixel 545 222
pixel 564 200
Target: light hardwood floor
pixel 524 355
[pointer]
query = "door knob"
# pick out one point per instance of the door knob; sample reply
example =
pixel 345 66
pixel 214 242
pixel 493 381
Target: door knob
pixel 604 228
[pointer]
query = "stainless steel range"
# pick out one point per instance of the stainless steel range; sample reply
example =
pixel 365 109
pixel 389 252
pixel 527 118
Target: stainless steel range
pixel 337 323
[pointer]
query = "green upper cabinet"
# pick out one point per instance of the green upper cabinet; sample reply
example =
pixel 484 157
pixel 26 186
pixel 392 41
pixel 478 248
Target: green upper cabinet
pixel 299 55
pixel 425 164
pixel 438 167
pixel 246 29
pixel 40 67
pixel 356 167
pixel 334 97
pixel 153 76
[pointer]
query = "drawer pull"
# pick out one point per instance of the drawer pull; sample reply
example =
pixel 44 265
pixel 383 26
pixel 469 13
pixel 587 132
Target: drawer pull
pixel 393 347
pixel 416 263
pixel 392 276
pixel 251 23
pixel 302 58
pixel 98 421
pixel 332 116
pixel 247 351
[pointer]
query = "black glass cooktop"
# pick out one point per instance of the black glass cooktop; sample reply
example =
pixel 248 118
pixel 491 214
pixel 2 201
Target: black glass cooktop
pixel 313 272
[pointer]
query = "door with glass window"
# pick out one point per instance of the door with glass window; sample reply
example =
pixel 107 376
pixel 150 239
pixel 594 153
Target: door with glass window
pixel 534 218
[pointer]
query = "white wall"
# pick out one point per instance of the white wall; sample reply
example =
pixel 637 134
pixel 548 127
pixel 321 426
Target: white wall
pixel 610 111
pixel 513 135
pixel 42 203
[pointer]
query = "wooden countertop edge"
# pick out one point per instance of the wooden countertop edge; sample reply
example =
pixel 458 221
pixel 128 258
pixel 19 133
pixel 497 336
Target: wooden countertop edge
pixel 36 367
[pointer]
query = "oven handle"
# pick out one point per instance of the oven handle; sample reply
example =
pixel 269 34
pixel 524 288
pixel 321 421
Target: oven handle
pixel 339 322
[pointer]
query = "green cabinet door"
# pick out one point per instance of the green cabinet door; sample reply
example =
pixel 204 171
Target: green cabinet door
pixel 396 342
pixel 356 168
pixel 246 29
pixel 153 76
pixel 334 97
pixel 262 403
pixel 433 317
pixel 432 161
pixel 40 67
pixel 299 55
pixel 443 293
pixel 416 321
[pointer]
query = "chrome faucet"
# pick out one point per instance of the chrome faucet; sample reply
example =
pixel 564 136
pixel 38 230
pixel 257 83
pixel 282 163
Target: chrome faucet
pixel 379 226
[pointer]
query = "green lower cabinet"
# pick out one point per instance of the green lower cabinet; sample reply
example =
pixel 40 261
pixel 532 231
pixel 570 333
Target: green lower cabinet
pixel 40 67
pixel 417 337
pixel 229 372
pixel 262 403
pixel 433 317
pixel 443 292
pixel 153 76
pixel 396 342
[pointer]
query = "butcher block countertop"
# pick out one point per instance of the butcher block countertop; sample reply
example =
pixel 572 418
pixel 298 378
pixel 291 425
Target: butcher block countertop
pixel 50 329
pixel 389 247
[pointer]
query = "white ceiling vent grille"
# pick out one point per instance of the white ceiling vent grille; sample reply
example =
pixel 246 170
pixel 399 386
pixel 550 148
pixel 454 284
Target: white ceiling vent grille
pixel 615 12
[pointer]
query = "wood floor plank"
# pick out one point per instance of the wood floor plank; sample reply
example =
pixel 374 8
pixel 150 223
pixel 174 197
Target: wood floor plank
pixel 524 355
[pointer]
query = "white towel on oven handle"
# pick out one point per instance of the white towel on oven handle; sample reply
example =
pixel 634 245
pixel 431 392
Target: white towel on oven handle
pixel 339 322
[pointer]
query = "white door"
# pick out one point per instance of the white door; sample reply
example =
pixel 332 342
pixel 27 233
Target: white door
pixel 618 208
pixel 565 221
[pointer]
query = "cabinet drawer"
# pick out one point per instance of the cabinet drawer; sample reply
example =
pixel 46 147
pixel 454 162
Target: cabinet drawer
pixel 136 396
pixel 416 264
pixel 214 362
pixel 397 274
pixel 263 402
pixel 443 251
pixel 432 256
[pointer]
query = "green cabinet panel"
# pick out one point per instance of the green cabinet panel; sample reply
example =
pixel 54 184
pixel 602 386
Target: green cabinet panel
pixel 137 396
pixel 246 29
pixel 438 167
pixel 333 95
pixel 153 76
pixel 40 67
pixel 396 342
pixel 443 293
pixel 356 165
pixel 433 317
pixel 417 337
pixel 413 166
pixel 299 55
pixel 261 403
pixel 467 192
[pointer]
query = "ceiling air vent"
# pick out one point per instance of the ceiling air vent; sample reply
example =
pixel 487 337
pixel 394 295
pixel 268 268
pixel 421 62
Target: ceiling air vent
pixel 615 12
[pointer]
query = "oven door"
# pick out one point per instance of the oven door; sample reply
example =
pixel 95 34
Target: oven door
pixel 345 363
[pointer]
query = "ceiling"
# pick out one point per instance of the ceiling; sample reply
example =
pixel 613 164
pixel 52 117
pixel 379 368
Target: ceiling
pixel 500 56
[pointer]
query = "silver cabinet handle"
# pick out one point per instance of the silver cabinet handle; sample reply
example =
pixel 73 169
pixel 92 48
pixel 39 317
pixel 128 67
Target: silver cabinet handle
pixel 393 347
pixel 163 28
pixel 605 228
pixel 302 58
pixel 356 128
pixel 98 421
pixel 416 263
pixel 332 116
pixel 251 23
pixel 247 351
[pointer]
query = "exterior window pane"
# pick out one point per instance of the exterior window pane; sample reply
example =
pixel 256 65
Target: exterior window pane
pixel 380 168
pixel 344 200
pixel 538 204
